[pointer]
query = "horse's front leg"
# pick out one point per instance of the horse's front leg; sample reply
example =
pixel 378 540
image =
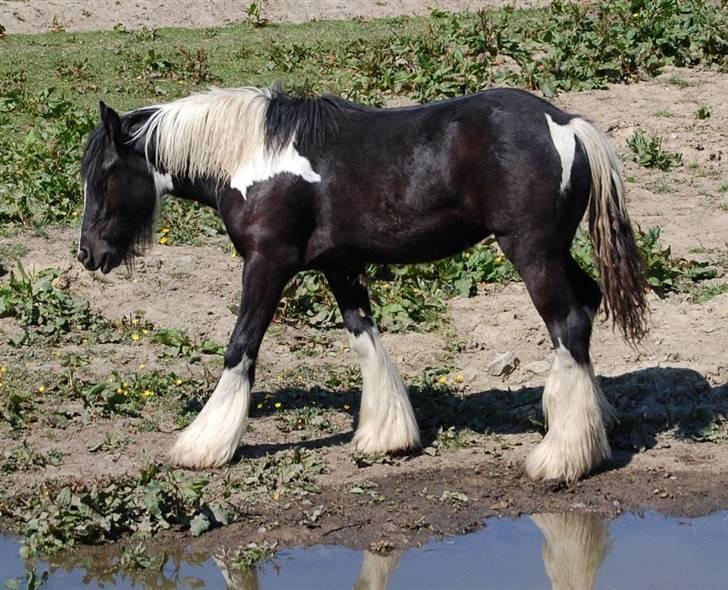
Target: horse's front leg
pixel 386 420
pixel 212 439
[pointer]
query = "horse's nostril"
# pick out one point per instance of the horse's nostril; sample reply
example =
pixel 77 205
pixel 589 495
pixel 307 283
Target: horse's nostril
pixel 82 255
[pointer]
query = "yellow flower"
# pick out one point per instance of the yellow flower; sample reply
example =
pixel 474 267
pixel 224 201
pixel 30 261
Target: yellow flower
pixel 125 385
pixel 442 380
pixel 3 370
pixel 119 390
pixel 41 389
pixel 141 365
pixel 135 337
pixel 178 381
pixel 145 331
pixel 347 407
pixel 278 405
pixel 135 322
pixel 163 240
pixel 459 378
pixel 165 230
pixel 260 406
pixel 110 379
pixel 147 393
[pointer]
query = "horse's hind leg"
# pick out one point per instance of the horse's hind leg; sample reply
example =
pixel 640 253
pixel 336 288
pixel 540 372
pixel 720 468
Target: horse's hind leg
pixel 386 420
pixel 574 406
pixel 212 439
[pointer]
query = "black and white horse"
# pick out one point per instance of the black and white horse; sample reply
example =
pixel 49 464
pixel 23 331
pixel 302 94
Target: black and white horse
pixel 322 183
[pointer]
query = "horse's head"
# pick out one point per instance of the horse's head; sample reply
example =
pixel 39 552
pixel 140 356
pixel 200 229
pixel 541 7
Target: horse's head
pixel 121 193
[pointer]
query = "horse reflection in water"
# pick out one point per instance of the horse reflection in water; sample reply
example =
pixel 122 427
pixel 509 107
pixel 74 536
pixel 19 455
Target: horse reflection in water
pixel 574 549
pixel 575 546
pixel 376 569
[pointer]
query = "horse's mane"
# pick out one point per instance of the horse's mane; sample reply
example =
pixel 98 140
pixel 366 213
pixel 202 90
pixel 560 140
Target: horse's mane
pixel 212 134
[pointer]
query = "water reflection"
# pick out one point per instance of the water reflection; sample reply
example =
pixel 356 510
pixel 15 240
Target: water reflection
pixel 575 545
pixel 570 551
pixel 376 569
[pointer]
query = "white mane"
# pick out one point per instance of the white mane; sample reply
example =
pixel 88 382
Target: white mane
pixel 208 134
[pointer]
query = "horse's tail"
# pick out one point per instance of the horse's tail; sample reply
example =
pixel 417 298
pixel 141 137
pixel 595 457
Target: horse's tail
pixel 616 255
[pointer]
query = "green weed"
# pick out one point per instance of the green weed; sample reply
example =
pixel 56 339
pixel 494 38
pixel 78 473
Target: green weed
pixel 245 558
pixel 291 472
pixel 403 297
pixel 664 273
pixel 158 499
pixel 40 172
pixel 24 457
pixel 647 151
pixel 310 418
pixel 254 14
pixel 705 293
pixel 181 344
pixel 42 310
pixel 704 111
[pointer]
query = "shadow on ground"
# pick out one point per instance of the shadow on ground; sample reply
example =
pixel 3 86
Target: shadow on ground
pixel 648 402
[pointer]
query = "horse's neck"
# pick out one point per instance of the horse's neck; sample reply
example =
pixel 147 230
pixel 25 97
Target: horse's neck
pixel 203 191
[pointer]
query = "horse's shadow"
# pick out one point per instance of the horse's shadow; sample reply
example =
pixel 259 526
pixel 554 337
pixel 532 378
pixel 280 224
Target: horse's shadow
pixel 648 402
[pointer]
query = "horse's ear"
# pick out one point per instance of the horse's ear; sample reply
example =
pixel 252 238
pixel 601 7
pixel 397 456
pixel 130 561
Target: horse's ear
pixel 111 122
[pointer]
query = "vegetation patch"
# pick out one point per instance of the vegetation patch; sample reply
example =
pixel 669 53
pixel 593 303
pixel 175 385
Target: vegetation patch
pixel 647 151
pixel 158 499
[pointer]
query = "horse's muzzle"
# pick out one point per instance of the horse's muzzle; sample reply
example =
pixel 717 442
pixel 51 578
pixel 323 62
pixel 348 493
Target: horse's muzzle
pixel 106 260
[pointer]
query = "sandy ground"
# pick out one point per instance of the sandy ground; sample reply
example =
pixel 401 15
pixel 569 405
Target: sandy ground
pixel 19 16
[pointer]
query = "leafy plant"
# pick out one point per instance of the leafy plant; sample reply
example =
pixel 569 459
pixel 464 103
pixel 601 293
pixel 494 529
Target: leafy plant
pixel 308 418
pixel 158 499
pixel 664 273
pixel 41 309
pixel 704 111
pixel 648 152
pixel 40 173
pixel 254 13
pixel 403 297
pixel 289 472
pixel 246 557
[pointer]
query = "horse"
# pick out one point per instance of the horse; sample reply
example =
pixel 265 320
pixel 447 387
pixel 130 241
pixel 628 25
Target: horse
pixel 323 183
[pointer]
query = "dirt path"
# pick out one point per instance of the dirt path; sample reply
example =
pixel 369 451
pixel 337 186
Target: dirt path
pixel 19 16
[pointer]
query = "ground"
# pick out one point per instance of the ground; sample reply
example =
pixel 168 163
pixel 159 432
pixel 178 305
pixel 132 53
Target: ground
pixel 74 15
pixel 671 391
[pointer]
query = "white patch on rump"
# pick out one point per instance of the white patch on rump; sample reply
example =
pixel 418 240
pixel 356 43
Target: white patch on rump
pixel 265 165
pixel 212 439
pixel 576 414
pixel 565 143
pixel 386 419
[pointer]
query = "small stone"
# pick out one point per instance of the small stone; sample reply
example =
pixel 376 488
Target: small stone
pixel 504 364
pixel 538 367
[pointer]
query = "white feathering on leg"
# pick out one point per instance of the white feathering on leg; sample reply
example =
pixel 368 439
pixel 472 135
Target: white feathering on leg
pixel 386 419
pixel 576 414
pixel 212 439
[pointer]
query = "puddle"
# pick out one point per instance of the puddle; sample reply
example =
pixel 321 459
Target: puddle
pixel 561 551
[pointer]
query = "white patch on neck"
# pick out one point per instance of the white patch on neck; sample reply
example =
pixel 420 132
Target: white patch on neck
pixel 162 183
pixel 265 165
pixel 563 138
